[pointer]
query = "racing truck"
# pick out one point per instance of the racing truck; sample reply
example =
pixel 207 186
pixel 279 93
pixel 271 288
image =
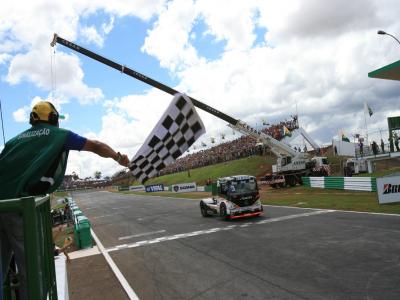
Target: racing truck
pixel 233 197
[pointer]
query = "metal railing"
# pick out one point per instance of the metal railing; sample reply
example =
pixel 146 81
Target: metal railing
pixel 38 245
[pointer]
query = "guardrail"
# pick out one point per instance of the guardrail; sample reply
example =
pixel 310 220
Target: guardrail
pixel 342 183
pixel 38 245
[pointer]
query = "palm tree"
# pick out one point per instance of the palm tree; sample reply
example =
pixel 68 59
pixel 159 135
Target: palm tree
pixel 97 174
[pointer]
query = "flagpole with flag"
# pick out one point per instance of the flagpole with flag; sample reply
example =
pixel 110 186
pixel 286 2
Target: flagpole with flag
pixel 367 110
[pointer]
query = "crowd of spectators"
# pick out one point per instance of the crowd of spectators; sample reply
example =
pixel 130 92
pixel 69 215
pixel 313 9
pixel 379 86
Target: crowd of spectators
pixel 277 130
pixel 242 147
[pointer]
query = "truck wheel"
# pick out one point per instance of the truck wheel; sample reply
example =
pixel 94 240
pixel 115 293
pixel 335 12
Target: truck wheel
pixel 204 210
pixel 222 211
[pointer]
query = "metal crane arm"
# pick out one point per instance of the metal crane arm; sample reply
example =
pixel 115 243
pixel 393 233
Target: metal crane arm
pixel 139 76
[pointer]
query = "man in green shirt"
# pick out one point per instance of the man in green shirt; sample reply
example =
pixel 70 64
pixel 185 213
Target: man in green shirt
pixel 34 163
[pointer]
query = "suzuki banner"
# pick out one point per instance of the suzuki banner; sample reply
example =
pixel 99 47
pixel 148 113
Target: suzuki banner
pixel 388 189
pixel 184 187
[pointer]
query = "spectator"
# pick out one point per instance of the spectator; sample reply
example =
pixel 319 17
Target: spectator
pixel 396 141
pixel 33 163
pixel 361 148
pixel 382 146
pixel 67 242
pixel 374 148
pixel 67 214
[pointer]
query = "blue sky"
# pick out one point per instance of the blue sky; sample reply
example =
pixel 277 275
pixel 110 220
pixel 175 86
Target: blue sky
pixel 256 60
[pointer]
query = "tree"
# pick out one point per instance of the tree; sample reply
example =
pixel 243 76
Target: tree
pixel 75 176
pixel 97 174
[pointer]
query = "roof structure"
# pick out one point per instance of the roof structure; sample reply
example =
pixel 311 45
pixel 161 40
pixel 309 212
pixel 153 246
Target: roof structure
pixel 391 72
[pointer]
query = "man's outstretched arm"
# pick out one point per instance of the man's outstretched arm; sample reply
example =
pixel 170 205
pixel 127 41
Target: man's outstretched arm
pixel 104 150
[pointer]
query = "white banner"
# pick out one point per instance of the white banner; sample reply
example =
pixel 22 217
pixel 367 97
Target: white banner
pixel 184 187
pixel 343 148
pixel 136 188
pixel 388 189
pixel 200 188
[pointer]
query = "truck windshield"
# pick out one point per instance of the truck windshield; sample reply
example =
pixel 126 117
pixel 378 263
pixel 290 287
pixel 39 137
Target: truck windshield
pixel 243 186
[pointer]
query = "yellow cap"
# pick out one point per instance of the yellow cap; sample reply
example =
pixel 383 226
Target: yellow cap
pixel 42 110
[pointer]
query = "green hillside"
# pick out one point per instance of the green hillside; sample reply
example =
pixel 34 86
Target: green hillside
pixel 254 165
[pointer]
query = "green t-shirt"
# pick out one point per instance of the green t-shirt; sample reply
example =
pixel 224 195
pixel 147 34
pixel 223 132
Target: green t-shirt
pixel 33 162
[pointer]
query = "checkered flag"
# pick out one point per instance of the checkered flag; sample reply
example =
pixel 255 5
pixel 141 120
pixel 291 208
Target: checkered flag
pixel 179 127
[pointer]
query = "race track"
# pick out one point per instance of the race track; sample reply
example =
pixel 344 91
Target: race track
pixel 166 250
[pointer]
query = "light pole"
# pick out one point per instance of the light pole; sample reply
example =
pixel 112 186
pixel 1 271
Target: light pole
pixel 383 33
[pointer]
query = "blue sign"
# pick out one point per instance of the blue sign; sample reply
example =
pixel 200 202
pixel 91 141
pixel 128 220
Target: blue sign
pixel 154 188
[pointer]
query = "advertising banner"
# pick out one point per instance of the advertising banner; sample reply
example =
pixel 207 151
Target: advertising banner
pixel 154 188
pixel 136 188
pixel 388 189
pixel 201 189
pixel 184 187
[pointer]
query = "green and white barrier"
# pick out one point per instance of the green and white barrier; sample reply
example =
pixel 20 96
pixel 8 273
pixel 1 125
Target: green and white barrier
pixel 342 183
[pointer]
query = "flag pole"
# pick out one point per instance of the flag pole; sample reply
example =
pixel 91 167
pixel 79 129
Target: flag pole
pixel 365 121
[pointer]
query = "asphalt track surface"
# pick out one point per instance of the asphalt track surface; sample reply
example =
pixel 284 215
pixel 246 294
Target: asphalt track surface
pixel 166 250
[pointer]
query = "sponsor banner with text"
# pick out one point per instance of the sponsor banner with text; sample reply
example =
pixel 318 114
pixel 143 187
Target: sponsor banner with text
pixel 136 188
pixel 388 189
pixel 154 188
pixel 184 187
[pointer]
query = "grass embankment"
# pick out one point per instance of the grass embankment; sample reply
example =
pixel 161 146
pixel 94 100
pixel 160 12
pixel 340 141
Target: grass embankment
pixel 298 196
pixel 254 165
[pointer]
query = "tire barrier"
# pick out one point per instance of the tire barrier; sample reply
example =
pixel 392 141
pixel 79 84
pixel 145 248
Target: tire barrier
pixel 367 184
pixel 83 238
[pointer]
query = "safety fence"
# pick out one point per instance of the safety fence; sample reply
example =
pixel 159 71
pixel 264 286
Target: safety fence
pixel 342 183
pixel 82 236
pixel 38 246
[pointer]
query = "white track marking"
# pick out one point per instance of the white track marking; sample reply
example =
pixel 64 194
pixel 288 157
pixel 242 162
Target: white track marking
pixel 336 210
pixel 213 230
pixel 140 234
pixel 128 289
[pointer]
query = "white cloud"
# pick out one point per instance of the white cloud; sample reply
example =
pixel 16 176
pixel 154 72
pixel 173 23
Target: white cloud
pixel 22 114
pixel 107 27
pixel 26 29
pixel 169 39
pixel 232 21
pixel 64 74
pixel 92 36
pixel 4 57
